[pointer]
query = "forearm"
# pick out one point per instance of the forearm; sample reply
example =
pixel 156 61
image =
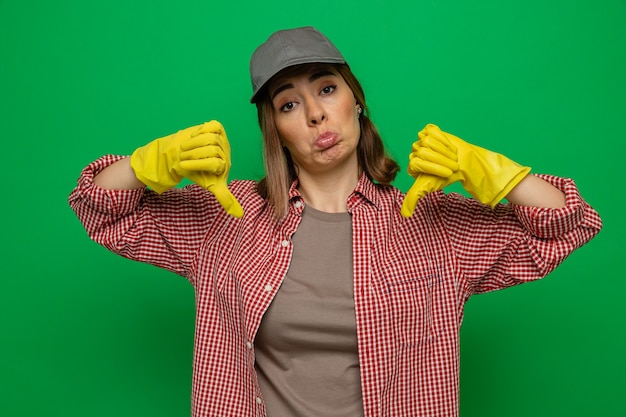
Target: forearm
pixel 118 176
pixel 533 191
pixel 129 221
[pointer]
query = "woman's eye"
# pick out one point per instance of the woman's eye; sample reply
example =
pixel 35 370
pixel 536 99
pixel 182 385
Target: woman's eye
pixel 288 106
pixel 328 89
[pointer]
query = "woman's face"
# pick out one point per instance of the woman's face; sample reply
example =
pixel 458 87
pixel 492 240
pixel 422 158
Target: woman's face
pixel 316 115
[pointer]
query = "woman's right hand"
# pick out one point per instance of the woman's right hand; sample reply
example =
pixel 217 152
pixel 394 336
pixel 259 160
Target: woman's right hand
pixel 205 160
pixel 157 163
pixel 200 153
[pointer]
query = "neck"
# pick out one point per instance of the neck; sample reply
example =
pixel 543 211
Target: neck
pixel 328 193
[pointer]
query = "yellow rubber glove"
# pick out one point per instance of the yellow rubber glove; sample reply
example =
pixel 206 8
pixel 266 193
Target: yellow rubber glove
pixel 200 153
pixel 440 159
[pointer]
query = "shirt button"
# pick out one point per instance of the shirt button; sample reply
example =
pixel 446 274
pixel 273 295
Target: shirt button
pixel 259 400
pixel 249 345
pixel 284 243
pixel 268 288
pixel 298 204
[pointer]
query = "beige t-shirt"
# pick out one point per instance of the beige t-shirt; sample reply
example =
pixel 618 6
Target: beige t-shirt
pixel 306 348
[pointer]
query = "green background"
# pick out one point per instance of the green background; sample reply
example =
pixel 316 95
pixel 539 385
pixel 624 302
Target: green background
pixel 86 333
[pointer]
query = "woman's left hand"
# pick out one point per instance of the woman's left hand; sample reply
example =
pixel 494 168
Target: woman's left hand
pixel 439 159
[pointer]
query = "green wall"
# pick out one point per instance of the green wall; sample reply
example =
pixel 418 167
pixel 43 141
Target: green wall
pixel 86 333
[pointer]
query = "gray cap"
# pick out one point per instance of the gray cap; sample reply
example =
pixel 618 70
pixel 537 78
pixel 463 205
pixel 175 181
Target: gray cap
pixel 290 47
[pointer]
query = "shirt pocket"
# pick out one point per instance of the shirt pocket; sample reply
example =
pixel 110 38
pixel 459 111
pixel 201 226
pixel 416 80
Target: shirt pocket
pixel 410 288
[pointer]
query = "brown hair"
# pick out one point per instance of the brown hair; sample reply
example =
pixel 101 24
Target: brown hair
pixel 279 167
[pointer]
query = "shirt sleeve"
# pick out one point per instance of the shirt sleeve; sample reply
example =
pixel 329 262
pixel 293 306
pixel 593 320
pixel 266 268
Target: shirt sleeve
pixel 510 244
pixel 164 230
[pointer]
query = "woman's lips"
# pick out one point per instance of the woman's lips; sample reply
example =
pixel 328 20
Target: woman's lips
pixel 326 140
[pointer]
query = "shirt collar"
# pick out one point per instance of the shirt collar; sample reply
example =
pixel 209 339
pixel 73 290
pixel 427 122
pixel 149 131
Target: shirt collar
pixel 365 191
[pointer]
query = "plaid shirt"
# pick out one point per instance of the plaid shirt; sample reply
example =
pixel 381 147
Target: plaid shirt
pixel 412 277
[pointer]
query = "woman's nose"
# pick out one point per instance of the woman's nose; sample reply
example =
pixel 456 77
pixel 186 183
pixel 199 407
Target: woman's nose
pixel 315 114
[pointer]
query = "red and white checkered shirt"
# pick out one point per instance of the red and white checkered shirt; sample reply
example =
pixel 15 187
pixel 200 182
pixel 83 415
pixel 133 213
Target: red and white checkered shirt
pixel 412 277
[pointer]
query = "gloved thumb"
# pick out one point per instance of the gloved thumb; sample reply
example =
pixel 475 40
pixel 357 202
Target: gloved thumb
pixel 226 199
pixel 424 184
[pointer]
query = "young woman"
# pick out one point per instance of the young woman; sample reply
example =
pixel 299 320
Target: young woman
pixel 322 289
